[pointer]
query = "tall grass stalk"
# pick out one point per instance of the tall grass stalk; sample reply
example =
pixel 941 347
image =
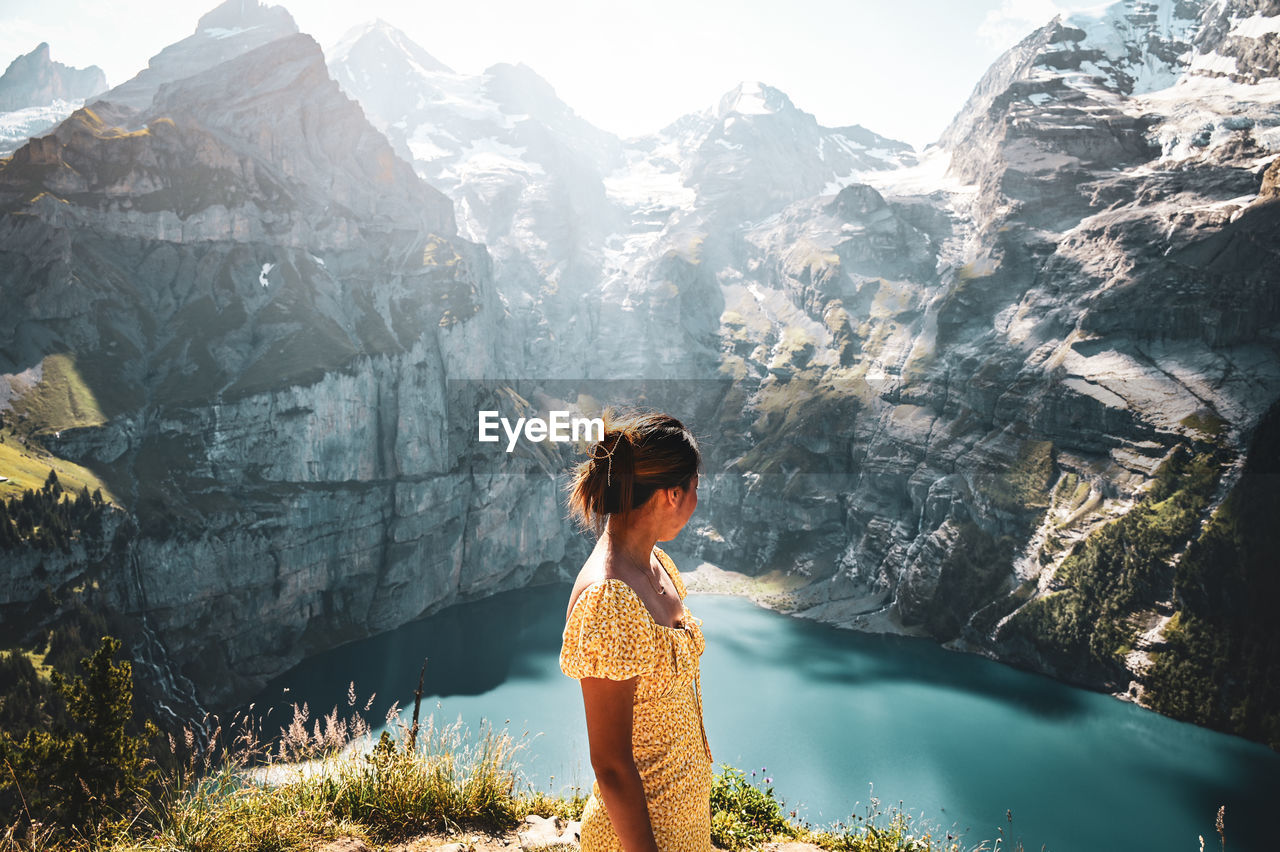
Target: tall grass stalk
pixel 326 777
pixel 230 789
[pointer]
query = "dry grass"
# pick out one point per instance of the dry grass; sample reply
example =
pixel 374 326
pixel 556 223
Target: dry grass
pixel 323 777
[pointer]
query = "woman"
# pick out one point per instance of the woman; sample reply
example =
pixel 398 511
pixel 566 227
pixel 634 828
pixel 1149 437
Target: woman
pixel 634 646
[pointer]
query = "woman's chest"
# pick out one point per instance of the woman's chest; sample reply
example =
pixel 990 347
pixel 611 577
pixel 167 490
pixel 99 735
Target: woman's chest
pixel 676 659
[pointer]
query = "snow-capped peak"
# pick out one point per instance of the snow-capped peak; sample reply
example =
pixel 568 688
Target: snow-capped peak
pixel 379 37
pixel 753 98
pixel 230 30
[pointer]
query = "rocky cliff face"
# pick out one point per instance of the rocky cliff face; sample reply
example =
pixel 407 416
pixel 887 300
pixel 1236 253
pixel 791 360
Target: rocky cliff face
pixel 936 378
pixel 268 304
pixel 1022 393
pixel 922 380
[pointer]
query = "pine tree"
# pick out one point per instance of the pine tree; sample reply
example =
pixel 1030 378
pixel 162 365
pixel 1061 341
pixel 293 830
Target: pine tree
pixel 78 777
pixel 8 534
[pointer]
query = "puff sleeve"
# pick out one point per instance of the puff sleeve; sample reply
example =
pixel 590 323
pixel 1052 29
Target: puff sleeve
pixel 609 634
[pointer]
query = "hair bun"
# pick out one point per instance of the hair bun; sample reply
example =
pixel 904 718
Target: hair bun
pixel 639 454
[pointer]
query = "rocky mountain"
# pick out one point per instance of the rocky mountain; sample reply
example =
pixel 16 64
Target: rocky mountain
pixel 35 80
pixel 1085 212
pixel 36 93
pixel 589 232
pixel 234 28
pixel 993 393
pixel 257 297
pixel 525 172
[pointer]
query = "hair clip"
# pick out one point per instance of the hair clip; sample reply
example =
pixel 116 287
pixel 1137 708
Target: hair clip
pixel 608 474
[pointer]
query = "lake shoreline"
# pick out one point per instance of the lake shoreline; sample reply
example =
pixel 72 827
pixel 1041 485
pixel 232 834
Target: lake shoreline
pixel 777 591
pixel 828 712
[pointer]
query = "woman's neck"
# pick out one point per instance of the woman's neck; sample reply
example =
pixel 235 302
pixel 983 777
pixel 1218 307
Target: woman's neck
pixel 633 542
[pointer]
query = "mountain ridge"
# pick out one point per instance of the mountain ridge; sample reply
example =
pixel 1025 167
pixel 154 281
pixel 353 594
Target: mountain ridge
pixel 37 92
pixel 931 395
pixel 35 80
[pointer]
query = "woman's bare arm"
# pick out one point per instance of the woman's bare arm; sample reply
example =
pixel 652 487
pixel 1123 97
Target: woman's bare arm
pixel 609 715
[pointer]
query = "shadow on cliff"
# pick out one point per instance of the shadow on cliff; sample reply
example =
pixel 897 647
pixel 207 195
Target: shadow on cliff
pixel 868 660
pixel 470 649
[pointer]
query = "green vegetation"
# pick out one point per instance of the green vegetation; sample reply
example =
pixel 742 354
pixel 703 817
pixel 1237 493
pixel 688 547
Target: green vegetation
pixel 27 466
pixel 917 370
pixel 809 261
pixel 786 423
pixel 50 518
pixel 1221 664
pixel 1025 484
pixel 1206 423
pixel 746 813
pixel 419 781
pixel 794 350
pixel 86 782
pixel 1072 494
pixel 84 773
pixel 967 299
pixel 1118 571
pixel 840 325
pixel 61 399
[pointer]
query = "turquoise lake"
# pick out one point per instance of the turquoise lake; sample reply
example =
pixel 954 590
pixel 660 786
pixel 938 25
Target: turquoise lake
pixel 959 740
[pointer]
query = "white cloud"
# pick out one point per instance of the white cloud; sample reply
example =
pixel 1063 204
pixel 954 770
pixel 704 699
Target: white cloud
pixel 1015 20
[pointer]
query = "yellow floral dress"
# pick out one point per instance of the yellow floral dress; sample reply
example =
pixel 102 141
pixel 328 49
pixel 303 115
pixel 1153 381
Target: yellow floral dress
pixel 611 634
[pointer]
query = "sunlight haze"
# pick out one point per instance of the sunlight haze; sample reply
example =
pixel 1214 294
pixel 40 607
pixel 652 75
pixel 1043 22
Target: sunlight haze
pixel 901 69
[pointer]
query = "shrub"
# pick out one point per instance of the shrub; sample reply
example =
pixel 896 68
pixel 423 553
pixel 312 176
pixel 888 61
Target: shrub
pixel 744 815
pixel 93 770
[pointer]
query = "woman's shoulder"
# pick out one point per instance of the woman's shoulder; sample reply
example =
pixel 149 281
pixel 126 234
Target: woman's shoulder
pixel 596 597
pixel 608 633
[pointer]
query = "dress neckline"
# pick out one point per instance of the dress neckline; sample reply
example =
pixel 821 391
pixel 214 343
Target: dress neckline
pixel 640 601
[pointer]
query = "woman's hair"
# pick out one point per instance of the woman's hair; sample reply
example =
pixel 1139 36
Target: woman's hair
pixel 640 454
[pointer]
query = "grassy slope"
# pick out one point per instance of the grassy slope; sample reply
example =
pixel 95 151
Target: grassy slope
pixel 61 400
pixel 27 467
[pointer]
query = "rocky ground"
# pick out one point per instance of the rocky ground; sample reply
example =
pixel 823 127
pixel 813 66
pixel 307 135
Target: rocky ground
pixel 552 834
pixel 538 833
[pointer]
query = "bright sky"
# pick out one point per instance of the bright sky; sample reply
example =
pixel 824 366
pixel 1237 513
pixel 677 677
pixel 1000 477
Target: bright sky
pixel 901 68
